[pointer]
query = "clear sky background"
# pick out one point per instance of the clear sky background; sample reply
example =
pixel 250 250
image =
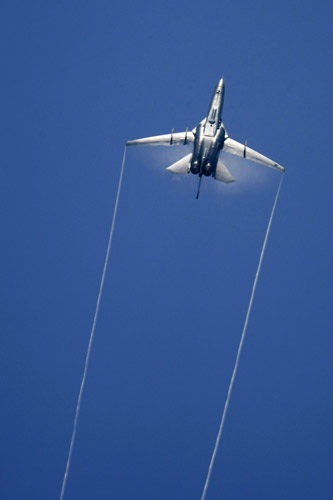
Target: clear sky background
pixel 78 79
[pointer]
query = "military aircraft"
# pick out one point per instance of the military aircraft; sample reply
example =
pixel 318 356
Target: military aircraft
pixel 209 137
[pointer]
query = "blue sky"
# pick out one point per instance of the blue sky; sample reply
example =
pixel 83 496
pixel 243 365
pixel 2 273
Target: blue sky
pixel 78 80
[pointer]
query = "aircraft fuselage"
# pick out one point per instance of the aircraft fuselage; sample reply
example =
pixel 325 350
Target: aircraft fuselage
pixel 209 136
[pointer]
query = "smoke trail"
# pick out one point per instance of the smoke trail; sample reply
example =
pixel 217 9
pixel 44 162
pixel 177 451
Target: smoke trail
pixel 92 333
pixel 240 346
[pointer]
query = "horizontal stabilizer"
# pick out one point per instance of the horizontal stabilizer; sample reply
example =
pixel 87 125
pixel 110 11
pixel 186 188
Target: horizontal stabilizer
pixel 222 173
pixel 181 166
pixel 173 139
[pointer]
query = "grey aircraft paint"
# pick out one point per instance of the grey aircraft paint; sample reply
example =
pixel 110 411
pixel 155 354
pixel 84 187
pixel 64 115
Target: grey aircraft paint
pixel 209 137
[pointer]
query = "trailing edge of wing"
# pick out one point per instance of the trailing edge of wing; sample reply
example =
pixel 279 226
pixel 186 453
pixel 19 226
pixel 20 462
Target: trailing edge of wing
pixel 236 148
pixel 222 173
pixel 173 139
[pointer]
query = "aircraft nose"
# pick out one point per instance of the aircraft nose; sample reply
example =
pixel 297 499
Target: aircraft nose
pixel 220 83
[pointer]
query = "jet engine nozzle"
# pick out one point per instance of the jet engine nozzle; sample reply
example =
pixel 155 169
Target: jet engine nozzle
pixel 207 169
pixel 195 167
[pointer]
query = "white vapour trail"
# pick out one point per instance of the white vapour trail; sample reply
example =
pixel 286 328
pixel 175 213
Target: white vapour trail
pixel 240 346
pixel 92 333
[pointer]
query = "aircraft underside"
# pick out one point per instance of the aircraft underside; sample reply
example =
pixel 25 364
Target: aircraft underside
pixel 209 137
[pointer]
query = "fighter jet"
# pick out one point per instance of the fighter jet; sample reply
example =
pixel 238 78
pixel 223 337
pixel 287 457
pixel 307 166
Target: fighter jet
pixel 209 137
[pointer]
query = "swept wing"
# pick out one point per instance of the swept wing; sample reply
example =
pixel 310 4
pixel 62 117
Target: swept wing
pixel 173 139
pixel 236 148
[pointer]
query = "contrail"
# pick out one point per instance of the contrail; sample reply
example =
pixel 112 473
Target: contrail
pixel 240 346
pixel 92 333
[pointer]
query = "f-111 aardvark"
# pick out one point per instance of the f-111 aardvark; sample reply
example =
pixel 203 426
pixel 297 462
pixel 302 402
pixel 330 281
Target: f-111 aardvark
pixel 209 137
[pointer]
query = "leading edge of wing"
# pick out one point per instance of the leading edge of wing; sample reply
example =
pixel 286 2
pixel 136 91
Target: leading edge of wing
pixel 173 139
pixel 236 148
